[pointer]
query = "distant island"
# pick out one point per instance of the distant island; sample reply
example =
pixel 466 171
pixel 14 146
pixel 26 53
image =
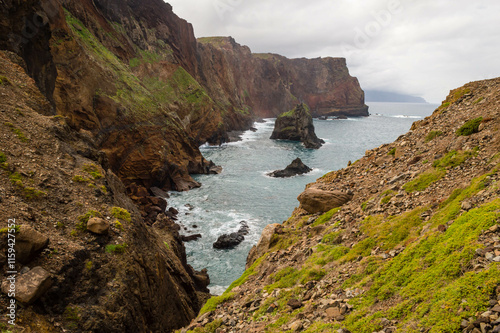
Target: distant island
pixel 385 96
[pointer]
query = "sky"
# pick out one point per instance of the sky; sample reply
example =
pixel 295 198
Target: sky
pixel 422 48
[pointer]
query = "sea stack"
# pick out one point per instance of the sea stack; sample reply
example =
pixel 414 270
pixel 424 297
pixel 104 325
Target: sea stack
pixel 297 125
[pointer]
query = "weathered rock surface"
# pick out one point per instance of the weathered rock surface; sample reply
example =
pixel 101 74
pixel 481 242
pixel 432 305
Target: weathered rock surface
pixel 29 242
pixel 316 200
pixel 297 125
pixel 29 286
pixel 264 243
pixel 297 167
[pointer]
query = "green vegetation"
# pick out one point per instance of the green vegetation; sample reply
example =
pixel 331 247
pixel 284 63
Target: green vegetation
pixel 118 225
pixel 424 180
pixel 326 217
pixel 121 213
pixel 470 127
pixel 18 132
pixel 28 193
pixel 89 265
pixel 80 179
pixel 4 81
pixel 84 219
pixel 92 170
pixel 479 100
pixel 213 302
pixel 3 158
pixel 116 248
pixel 433 278
pixel 461 93
pixel 392 152
pixel 445 105
pixel 167 245
pixel 289 277
pixel 244 277
pixel 453 159
pixel 6 230
pixel 208 328
pixel 432 135
pixel 71 317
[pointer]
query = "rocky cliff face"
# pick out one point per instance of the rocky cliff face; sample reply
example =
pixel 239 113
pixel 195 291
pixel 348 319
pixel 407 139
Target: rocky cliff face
pixel 270 84
pixel 409 244
pixel 117 277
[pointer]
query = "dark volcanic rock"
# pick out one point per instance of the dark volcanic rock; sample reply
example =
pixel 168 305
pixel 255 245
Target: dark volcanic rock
pixel 297 125
pixel 229 241
pixel 295 168
pixel 190 237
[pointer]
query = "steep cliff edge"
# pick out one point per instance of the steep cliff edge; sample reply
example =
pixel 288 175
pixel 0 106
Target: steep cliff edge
pixel 117 278
pixel 413 248
pixel 270 84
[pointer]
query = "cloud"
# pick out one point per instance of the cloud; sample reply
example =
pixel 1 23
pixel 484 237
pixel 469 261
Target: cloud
pixel 423 48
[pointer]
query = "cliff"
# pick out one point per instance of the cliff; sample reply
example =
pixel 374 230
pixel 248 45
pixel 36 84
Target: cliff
pixel 270 84
pixel 117 278
pixel 403 240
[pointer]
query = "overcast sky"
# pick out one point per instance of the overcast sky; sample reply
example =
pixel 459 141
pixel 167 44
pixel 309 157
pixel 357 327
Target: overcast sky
pixel 418 47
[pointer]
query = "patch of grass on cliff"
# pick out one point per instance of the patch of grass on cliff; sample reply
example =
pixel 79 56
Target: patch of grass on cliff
pixel 213 302
pixel 424 180
pixel 392 152
pixel 326 217
pixel 434 278
pixel 208 328
pixel 4 81
pixel 470 127
pixel 80 179
pixel 116 248
pixel 92 170
pixel 20 135
pixel 244 277
pixel 453 159
pixel 290 276
pixel 29 193
pixel 432 135
pixel 121 213
pixel 394 230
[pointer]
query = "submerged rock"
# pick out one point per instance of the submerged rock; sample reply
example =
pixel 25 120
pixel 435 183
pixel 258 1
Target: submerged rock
pixel 297 167
pixel 229 241
pixel 297 125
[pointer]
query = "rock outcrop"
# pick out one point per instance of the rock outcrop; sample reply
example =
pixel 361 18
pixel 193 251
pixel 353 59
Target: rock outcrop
pixel 317 200
pixel 297 125
pixel 297 167
pixel 229 241
pixel 416 248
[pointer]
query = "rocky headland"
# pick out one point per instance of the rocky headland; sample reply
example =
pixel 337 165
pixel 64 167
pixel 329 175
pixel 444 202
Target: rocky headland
pixel 297 125
pixel 406 239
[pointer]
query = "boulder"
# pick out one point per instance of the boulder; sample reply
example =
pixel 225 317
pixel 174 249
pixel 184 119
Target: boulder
pixel 264 243
pixel 29 286
pixel 297 167
pixel 97 226
pixel 315 200
pixel 159 192
pixel 297 125
pixel 28 243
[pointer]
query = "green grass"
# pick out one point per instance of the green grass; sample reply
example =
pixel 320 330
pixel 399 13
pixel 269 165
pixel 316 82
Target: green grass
pixel 121 213
pixel 470 127
pixel 20 135
pixel 432 135
pixel 478 100
pixel 116 248
pixel 326 217
pixel 213 302
pixel 424 180
pixel 4 81
pixel 3 158
pixel 392 152
pixel 453 159
pixel 80 179
pixel 92 170
pixel 433 277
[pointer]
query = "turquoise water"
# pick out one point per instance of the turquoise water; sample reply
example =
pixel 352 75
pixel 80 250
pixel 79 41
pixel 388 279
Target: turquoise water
pixel 243 192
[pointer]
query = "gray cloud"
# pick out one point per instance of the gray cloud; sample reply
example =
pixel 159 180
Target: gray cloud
pixel 422 48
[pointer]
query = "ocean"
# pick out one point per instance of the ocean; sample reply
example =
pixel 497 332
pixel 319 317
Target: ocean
pixel 243 191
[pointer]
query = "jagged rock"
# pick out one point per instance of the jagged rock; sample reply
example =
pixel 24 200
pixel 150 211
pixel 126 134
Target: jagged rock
pixel 28 243
pixel 315 200
pixel 159 192
pixel 29 286
pixel 98 226
pixel 229 241
pixel 294 303
pixel 297 167
pixel 264 243
pixel 297 125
